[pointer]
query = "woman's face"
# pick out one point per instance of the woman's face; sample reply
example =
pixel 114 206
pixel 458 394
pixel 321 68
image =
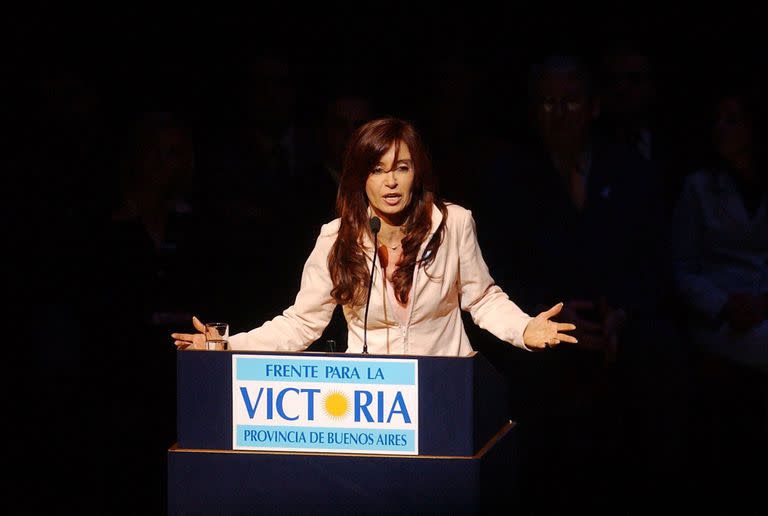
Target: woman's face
pixel 732 133
pixel 389 185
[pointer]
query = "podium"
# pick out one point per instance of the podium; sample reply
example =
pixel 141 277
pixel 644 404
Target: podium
pixel 466 460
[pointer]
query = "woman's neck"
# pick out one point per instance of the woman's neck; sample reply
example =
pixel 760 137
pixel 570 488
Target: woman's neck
pixel 392 226
pixel 390 233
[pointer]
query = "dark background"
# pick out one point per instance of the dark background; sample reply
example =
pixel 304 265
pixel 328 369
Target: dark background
pixel 76 79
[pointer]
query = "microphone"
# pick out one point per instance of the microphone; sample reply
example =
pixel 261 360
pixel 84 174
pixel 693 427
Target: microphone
pixel 375 227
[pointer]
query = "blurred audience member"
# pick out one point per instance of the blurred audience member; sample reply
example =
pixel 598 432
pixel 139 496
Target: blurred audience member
pixel 452 121
pixel 137 296
pixel 57 145
pixel 629 95
pixel 634 113
pixel 338 116
pixel 576 190
pixel 720 242
pixel 342 115
pixel 253 155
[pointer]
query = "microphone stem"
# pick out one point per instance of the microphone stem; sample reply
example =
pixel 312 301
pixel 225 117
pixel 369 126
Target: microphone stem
pixel 370 287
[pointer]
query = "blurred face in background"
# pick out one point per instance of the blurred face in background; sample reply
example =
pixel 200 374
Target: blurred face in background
pixel 343 116
pixel 732 131
pixel 271 92
pixel 629 92
pixel 563 111
pixel 165 159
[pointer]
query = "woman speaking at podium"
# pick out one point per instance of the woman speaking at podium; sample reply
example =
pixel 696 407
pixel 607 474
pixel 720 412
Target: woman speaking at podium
pixel 400 261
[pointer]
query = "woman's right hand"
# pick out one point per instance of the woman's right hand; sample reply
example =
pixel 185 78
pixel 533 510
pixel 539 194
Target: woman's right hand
pixel 191 340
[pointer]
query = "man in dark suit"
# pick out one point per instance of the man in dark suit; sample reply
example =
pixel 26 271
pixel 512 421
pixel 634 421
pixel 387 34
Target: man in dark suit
pixel 635 114
pixel 569 189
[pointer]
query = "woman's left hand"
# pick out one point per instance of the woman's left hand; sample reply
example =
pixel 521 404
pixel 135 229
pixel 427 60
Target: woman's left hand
pixel 542 333
pixel 191 340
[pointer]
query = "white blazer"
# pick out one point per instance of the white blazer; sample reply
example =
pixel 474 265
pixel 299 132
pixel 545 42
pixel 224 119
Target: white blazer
pixel 457 279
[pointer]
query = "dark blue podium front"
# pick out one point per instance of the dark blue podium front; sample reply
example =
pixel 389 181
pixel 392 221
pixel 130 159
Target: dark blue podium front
pixel 466 449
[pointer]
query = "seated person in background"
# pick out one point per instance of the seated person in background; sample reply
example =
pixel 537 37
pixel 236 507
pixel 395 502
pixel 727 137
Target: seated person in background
pixel 720 240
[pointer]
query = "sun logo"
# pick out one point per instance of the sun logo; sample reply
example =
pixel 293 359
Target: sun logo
pixel 336 405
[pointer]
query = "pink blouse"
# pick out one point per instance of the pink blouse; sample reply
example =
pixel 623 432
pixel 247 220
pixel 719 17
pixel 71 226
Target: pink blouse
pixel 401 312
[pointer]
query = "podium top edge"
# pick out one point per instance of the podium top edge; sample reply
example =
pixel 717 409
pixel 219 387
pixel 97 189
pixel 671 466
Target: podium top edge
pixel 324 353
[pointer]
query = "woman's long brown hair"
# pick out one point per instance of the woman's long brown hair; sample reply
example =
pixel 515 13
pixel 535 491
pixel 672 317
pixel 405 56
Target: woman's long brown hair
pixel 346 261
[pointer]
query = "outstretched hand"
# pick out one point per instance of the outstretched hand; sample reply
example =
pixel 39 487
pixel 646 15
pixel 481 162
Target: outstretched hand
pixel 542 333
pixel 191 340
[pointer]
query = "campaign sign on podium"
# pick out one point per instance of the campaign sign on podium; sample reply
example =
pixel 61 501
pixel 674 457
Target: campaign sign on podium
pixel 325 404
